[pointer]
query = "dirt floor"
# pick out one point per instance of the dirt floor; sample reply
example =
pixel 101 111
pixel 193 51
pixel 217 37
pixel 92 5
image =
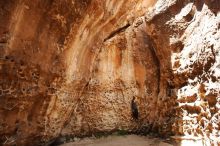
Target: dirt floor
pixel 127 140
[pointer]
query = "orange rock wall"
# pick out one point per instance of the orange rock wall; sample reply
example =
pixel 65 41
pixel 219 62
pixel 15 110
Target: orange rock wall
pixel 71 67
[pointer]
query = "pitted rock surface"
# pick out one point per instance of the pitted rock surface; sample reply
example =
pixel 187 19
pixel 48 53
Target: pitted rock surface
pixel 72 68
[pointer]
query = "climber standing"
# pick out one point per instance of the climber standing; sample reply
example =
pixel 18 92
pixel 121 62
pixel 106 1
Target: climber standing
pixel 134 109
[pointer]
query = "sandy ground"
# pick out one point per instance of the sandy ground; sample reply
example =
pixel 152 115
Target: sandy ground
pixel 128 140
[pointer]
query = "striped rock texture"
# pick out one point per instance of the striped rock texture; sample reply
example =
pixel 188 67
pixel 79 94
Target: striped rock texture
pixel 72 68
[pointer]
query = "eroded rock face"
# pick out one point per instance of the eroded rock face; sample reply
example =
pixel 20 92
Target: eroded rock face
pixel 73 67
pixel 190 30
pixel 197 74
pixel 193 39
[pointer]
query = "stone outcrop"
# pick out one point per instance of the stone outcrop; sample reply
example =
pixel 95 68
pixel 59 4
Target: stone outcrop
pixel 190 31
pixel 72 68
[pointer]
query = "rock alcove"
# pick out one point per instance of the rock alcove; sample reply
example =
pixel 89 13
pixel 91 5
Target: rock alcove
pixel 72 68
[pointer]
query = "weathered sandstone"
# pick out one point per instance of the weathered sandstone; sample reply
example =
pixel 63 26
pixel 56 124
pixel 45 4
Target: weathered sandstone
pixel 72 68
